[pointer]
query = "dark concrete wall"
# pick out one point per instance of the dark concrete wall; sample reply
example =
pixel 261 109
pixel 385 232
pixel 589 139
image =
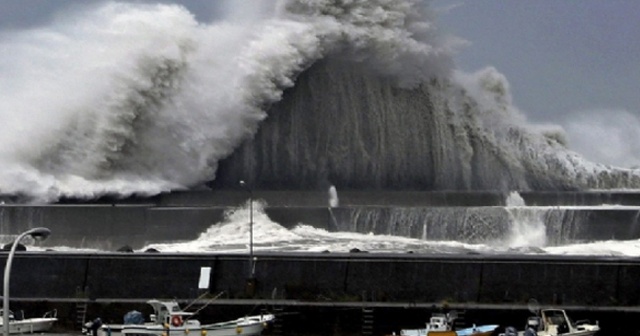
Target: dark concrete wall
pixel 320 198
pixel 313 198
pixel 552 198
pixel 109 227
pixel 320 277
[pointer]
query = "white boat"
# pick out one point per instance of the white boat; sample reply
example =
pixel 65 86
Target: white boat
pixel 169 320
pixel 440 325
pixel 21 325
pixel 552 322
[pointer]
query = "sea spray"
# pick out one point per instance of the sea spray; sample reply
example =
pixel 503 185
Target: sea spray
pixel 333 203
pixel 333 197
pixel 124 98
pixel 121 99
pixel 527 226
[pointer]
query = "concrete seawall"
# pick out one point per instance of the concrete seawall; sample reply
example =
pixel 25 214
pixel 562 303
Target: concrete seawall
pixel 321 277
pixel 109 227
pixel 331 294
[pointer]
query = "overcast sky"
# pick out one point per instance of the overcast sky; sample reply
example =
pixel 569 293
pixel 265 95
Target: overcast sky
pixel 566 60
pixel 559 56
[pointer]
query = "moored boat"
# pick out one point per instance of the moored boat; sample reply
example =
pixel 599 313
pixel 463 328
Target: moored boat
pixel 21 325
pixel 169 319
pixel 441 325
pixel 552 322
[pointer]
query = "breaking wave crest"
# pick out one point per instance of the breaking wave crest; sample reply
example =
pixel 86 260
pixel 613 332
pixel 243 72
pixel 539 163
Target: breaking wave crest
pixel 125 99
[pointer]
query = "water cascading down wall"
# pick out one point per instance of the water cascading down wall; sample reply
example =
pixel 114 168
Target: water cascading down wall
pixel 346 126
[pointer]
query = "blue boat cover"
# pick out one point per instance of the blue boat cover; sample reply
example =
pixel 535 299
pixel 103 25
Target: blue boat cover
pixel 133 317
pixel 478 329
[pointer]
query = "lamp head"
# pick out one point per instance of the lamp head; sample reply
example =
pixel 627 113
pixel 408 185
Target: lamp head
pixel 40 233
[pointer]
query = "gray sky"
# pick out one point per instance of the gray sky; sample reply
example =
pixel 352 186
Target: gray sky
pixel 560 57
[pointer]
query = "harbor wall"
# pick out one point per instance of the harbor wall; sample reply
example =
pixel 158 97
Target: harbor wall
pixel 331 277
pixel 329 294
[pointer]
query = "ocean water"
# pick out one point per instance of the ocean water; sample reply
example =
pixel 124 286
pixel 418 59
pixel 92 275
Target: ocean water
pixel 136 99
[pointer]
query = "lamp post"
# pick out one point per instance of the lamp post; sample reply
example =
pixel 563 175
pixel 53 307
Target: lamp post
pixel 244 185
pixel 39 234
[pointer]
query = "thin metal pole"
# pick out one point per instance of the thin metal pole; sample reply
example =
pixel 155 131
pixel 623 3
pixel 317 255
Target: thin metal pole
pixel 251 270
pixel 7 274
pixel 245 185
pixel 40 233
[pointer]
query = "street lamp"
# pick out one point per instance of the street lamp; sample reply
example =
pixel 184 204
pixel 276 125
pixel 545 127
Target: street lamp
pixel 244 185
pixel 39 234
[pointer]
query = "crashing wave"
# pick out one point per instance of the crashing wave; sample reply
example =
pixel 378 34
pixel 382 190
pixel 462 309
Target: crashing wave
pixel 138 99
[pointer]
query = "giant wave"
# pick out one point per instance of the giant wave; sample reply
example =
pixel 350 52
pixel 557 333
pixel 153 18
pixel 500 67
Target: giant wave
pixel 126 99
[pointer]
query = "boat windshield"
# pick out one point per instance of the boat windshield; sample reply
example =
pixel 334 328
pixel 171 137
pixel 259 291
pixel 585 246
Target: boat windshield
pixel 556 317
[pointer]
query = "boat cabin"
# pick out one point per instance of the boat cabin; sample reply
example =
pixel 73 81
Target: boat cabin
pixel 557 322
pixel 438 322
pixel 168 312
pixel 552 321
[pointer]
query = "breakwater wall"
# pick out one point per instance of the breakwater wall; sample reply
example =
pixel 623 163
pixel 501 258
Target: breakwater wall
pixel 110 227
pixel 332 294
pixel 332 277
pixel 470 217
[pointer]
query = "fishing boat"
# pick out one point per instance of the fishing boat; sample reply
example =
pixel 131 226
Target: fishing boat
pixel 551 322
pixel 441 325
pixel 169 319
pixel 20 325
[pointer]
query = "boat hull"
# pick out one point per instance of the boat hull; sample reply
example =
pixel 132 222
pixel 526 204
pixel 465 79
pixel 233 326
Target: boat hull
pixel 577 333
pixel 250 326
pixel 30 326
pixel 249 330
pixel 484 330
pixel 425 332
pixel 474 331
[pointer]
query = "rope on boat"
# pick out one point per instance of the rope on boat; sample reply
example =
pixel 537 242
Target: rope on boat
pixel 205 305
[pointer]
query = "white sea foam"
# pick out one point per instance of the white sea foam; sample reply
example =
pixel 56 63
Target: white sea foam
pixel 232 236
pixel 127 98
pixel 124 98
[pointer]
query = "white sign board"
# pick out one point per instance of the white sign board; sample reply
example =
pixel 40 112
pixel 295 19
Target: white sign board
pixel 205 276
